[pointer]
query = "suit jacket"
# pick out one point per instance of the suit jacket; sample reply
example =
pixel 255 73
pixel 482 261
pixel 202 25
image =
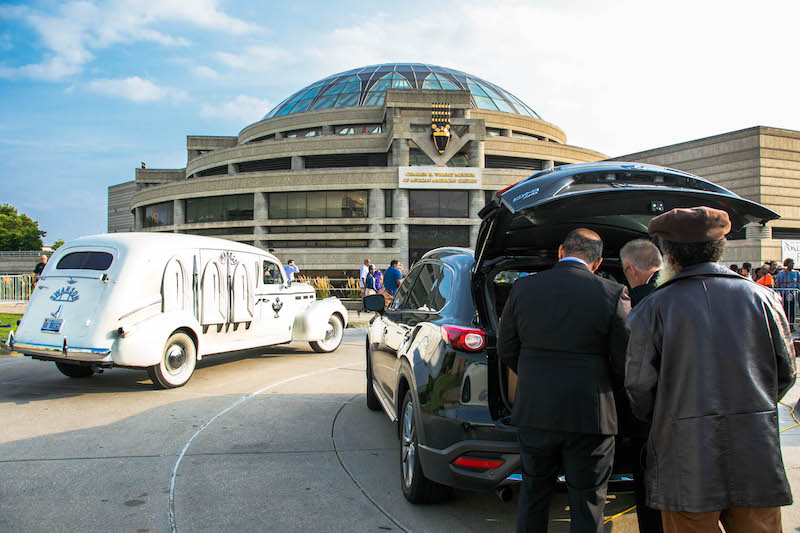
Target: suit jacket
pixel 561 331
pixel 642 291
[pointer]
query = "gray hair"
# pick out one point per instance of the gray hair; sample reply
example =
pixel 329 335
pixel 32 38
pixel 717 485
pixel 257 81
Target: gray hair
pixel 584 244
pixel 641 254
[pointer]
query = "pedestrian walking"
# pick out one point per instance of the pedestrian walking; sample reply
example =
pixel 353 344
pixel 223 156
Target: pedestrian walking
pixel 560 331
pixel 788 281
pixel 641 262
pixel 291 269
pixel 362 276
pixel 393 277
pixel 709 380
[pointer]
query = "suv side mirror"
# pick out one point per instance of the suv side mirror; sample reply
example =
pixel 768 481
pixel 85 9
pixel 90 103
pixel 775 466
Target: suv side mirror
pixel 375 302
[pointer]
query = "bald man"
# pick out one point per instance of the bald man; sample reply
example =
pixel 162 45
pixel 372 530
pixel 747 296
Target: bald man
pixel 563 333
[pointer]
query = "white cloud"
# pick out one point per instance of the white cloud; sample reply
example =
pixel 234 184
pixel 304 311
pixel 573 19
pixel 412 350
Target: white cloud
pixel 206 72
pixel 79 27
pixel 242 110
pixel 134 89
pixel 257 58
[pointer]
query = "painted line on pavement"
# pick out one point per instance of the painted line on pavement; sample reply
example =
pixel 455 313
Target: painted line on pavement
pixel 172 526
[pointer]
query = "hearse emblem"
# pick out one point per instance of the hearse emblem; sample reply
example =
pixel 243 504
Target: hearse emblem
pixel 58 312
pixel 65 294
pixel 277 305
pixel 228 256
pixel 440 123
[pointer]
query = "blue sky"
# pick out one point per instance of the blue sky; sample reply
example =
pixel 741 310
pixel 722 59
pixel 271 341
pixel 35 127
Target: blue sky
pixel 89 89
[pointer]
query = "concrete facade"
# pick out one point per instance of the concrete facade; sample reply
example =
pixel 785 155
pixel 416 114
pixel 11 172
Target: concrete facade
pixel 761 164
pixel 269 157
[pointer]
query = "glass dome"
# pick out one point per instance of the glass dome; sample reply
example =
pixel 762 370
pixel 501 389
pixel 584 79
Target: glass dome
pixel 366 86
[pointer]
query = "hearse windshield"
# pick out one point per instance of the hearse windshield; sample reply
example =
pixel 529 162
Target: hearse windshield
pixel 85 261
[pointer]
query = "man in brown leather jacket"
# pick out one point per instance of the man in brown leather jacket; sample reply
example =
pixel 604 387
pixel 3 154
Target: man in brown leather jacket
pixel 709 380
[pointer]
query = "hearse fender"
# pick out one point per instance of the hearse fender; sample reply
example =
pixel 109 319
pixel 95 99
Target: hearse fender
pixel 311 323
pixel 141 344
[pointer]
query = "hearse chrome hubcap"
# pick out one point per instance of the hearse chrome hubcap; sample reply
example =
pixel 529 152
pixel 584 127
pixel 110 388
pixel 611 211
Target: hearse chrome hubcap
pixel 330 333
pixel 176 359
pixel 409 445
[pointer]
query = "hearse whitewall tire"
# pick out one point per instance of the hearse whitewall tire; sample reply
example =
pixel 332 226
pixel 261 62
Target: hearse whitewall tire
pixel 333 336
pixel 177 364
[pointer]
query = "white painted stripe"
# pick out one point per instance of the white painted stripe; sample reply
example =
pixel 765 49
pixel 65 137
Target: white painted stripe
pixel 172 525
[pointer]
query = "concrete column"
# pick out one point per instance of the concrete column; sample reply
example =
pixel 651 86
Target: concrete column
pixel 505 133
pixel 260 215
pixel 138 218
pixel 298 163
pixel 758 232
pixel 232 168
pixel 375 211
pixel 400 153
pixel 178 214
pixel 547 163
pixel 400 208
pixel 327 130
pixel 476 203
pixel 475 154
pixel 278 136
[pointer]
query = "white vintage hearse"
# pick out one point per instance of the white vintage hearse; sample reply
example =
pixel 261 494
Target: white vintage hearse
pixel 163 301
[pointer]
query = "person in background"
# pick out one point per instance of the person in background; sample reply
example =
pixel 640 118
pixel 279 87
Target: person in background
pixel 562 332
pixel 291 269
pixel 746 271
pixel 788 280
pixel 369 282
pixel 378 279
pixel 773 268
pixel 765 278
pixel 39 267
pixel 735 268
pixel 393 277
pixel 709 382
pixel 641 263
pixel 362 276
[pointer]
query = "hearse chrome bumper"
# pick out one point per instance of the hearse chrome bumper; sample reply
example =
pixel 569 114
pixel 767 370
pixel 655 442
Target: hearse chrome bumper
pixel 79 353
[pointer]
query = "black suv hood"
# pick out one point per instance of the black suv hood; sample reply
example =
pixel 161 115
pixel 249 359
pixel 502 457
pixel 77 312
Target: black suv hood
pixel 615 199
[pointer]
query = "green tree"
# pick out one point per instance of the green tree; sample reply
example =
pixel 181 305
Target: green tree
pixel 18 231
pixel 57 244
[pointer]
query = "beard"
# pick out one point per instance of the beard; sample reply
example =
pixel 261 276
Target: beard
pixel 666 273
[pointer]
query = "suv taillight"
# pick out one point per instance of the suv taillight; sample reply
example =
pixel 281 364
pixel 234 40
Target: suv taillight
pixel 466 339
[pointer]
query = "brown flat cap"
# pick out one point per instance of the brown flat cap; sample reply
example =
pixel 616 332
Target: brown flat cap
pixel 698 224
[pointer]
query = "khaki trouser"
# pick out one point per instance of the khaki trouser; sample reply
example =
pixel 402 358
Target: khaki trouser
pixel 735 520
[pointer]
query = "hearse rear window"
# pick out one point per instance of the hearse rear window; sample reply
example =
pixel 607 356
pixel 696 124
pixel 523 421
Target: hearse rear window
pixel 85 261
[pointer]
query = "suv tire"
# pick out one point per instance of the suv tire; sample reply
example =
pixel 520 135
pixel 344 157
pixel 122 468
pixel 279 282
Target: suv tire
pixel 416 487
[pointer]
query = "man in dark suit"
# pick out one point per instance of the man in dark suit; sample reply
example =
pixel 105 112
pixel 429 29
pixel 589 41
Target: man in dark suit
pixel 641 262
pixel 561 331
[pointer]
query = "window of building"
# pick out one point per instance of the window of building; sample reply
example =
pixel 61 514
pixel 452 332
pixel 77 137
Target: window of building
pixel 439 204
pixel 216 171
pixel 307 132
pixel 501 161
pixel 784 233
pixel 488 196
pixel 346 160
pixel 458 160
pixel 356 228
pixel 319 204
pixel 220 208
pixel 158 215
pixel 528 136
pixel 388 199
pixel 418 158
pixel 358 129
pixel 494 132
pixel 422 239
pixel 356 243
pixel 212 232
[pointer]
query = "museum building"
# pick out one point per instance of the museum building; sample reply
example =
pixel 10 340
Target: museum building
pixel 382 162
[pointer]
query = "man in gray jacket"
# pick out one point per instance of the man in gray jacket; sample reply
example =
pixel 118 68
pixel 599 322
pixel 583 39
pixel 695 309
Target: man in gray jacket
pixel 709 380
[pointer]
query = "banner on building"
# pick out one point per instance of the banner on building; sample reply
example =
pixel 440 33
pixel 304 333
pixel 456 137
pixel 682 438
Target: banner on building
pixel 449 178
pixel 790 250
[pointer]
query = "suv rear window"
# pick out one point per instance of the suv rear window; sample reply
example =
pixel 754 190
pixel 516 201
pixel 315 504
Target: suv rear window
pixel 85 261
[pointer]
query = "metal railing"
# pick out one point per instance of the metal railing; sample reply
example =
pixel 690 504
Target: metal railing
pixel 790 304
pixel 16 288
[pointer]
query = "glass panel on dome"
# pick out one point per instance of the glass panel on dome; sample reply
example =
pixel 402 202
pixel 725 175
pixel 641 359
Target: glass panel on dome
pixel 404 68
pixel 326 102
pixel 431 83
pixel 312 93
pixel 375 98
pixel 484 103
pixel 284 111
pixel 335 89
pixel 347 100
pixel 352 87
pixel 302 105
pixel 491 92
pixel 476 90
pixel 400 83
pixel 447 85
pixel 381 85
pixel 385 68
pixel 503 106
pixel 438 70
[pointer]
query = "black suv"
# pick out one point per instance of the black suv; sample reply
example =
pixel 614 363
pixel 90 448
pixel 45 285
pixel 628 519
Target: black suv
pixel 432 364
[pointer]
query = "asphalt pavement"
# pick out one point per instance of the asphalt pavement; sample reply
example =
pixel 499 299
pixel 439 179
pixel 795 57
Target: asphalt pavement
pixel 278 439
